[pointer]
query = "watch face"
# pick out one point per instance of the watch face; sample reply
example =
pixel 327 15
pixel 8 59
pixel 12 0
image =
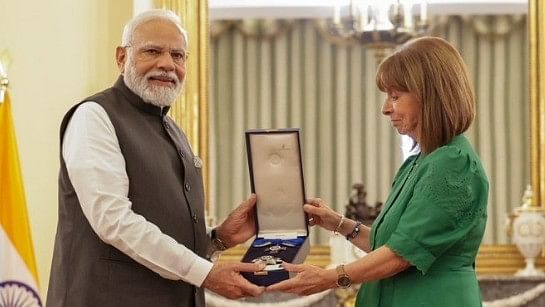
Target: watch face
pixel 344 281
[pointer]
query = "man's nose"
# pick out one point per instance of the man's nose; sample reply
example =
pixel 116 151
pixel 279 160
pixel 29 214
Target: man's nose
pixel 165 62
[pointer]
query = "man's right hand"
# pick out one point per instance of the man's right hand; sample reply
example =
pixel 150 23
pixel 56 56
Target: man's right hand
pixel 225 279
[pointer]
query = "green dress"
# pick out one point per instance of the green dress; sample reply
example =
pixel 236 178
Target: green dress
pixel 434 217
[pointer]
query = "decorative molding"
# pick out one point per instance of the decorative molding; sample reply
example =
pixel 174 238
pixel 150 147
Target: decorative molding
pixel 241 9
pixel 501 260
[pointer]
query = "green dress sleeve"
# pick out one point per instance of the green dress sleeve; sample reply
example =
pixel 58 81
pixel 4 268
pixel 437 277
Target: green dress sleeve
pixel 444 207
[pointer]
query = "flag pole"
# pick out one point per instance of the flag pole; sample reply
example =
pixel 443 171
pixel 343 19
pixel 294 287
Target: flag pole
pixel 4 81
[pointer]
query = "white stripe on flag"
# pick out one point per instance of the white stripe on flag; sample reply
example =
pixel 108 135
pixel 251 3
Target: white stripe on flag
pixel 12 266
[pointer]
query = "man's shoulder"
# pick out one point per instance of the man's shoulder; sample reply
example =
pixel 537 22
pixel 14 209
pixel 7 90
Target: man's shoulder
pixel 94 103
pixel 101 97
pixel 89 108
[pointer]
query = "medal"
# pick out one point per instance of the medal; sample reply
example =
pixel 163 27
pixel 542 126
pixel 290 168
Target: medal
pixel 268 260
pixel 275 249
pixel 197 161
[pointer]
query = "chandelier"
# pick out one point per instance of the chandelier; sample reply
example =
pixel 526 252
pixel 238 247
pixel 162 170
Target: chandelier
pixel 379 23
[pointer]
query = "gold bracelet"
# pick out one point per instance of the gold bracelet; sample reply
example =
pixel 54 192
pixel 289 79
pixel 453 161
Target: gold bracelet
pixel 336 231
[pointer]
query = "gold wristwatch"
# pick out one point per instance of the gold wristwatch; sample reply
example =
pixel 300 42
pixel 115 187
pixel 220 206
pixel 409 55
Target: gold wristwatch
pixel 343 280
pixel 216 242
pixel 216 247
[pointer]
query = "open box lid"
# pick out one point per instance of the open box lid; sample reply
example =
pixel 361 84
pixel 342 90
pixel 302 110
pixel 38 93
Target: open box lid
pixel 276 174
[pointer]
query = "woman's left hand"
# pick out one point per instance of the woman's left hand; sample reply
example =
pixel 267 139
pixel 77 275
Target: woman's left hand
pixel 320 214
pixel 309 280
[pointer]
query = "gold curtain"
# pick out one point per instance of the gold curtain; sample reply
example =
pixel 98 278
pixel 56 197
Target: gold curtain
pixel 191 110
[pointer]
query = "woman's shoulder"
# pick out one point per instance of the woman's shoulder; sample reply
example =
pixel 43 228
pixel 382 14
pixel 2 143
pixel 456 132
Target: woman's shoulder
pixel 453 178
pixel 457 153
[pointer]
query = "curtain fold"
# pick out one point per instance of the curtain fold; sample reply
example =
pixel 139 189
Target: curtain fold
pixel 298 78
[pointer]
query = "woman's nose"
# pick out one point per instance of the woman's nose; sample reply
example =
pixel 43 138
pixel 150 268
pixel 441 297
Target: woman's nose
pixel 387 107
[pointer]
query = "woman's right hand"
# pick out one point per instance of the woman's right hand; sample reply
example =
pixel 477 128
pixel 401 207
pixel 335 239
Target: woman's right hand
pixel 320 214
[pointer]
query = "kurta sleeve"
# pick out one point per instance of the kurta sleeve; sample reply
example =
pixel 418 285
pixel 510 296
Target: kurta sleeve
pixel 442 210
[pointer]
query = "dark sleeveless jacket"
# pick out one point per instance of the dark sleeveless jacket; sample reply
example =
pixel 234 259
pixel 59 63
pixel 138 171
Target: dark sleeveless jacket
pixel 165 187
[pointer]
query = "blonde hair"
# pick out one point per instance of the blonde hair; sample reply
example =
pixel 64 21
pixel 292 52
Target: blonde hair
pixel 433 70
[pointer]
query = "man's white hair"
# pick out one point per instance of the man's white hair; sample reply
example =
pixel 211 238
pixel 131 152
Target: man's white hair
pixel 156 14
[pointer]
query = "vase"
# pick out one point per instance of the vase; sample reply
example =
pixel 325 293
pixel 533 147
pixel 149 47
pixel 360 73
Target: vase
pixel 529 234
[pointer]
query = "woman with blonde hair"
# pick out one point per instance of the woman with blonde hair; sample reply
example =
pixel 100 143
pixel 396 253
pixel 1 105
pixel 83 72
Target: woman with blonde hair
pixel 422 247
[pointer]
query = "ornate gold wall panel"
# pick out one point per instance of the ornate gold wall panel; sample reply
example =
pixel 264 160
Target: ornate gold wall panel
pixel 191 109
pixel 502 260
pixel 536 11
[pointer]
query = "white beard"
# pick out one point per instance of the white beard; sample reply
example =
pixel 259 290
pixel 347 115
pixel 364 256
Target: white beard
pixel 157 95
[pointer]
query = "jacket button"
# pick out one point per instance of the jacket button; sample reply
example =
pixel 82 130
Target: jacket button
pixel 195 219
pixel 187 187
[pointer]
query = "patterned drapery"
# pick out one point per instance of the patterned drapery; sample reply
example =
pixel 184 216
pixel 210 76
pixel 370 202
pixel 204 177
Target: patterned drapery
pixel 276 74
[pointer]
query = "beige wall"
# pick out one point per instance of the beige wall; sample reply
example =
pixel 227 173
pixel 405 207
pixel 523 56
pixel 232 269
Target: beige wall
pixel 61 52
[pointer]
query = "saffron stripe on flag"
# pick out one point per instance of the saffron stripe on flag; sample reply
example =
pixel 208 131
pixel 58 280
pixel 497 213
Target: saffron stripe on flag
pixel 18 272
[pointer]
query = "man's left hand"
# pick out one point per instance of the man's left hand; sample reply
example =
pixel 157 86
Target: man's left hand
pixel 239 225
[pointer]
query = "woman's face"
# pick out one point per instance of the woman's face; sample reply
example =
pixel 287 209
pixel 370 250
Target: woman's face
pixel 404 111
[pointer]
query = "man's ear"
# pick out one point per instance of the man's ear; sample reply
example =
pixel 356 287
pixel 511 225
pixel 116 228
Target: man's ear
pixel 121 57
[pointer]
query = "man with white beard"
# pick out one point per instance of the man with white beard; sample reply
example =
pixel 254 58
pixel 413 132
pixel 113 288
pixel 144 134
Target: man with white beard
pixel 131 228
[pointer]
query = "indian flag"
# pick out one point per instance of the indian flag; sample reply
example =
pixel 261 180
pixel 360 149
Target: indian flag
pixel 18 274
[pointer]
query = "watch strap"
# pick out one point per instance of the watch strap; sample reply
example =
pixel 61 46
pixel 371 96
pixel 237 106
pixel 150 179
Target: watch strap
pixel 340 270
pixel 355 232
pixel 216 242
